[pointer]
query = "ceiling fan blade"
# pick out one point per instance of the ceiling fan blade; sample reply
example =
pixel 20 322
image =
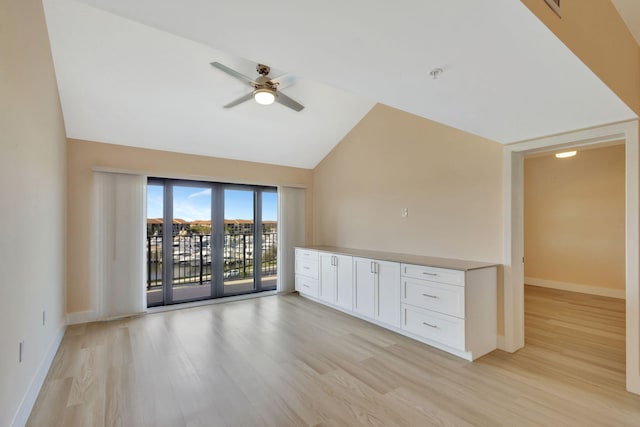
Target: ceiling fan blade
pixel 283 99
pixel 233 73
pixel 239 100
pixel 284 80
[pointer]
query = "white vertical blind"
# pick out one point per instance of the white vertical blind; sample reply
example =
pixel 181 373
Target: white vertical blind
pixel 118 243
pixel 291 227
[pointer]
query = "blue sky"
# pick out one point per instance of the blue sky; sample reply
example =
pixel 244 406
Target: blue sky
pixel 191 203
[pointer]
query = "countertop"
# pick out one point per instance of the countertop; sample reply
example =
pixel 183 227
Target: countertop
pixel 449 263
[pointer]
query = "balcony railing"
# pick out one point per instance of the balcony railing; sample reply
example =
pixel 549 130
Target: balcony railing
pixel 192 258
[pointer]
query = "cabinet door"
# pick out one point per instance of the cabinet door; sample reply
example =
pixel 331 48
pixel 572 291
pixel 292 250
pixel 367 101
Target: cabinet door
pixel 388 309
pixel 344 281
pixel 365 289
pixel 327 278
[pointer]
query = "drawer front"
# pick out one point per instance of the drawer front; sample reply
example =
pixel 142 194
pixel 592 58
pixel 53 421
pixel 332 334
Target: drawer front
pixel 307 268
pixel 307 286
pixel 444 329
pixel 306 254
pixel 441 275
pixel 443 298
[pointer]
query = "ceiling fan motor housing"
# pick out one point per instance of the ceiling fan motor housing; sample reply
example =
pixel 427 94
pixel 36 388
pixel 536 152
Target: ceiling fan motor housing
pixel 263 70
pixel 265 82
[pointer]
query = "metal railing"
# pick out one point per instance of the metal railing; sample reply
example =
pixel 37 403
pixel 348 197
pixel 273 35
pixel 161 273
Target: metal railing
pixel 192 257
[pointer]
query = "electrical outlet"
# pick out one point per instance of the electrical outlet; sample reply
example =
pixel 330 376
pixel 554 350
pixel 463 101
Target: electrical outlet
pixel 20 351
pixel 44 317
pixel 405 212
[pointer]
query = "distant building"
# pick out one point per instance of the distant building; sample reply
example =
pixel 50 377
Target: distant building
pixel 154 226
pixel 231 226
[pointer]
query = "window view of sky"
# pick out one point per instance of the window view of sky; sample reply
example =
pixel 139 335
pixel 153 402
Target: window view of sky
pixel 191 203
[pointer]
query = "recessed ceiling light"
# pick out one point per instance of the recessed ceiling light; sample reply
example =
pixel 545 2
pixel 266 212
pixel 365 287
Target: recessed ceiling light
pixel 565 154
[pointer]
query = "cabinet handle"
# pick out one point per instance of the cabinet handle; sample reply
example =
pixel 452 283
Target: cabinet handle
pixel 430 325
pixel 306 268
pixel 430 274
pixel 429 296
pixel 374 267
pixel 306 286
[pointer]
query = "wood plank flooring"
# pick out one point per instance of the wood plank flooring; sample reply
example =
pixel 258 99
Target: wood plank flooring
pixel 286 361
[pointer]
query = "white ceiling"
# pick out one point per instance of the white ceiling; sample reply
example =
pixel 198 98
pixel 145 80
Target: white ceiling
pixel 630 12
pixel 141 77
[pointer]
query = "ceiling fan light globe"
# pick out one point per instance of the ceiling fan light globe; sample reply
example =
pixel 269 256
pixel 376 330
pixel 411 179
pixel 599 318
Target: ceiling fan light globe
pixel 264 96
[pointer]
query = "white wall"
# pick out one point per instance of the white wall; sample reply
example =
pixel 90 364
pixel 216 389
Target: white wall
pixel 32 206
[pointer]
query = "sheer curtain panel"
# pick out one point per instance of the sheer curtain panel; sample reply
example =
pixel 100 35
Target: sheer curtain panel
pixel 118 245
pixel 291 223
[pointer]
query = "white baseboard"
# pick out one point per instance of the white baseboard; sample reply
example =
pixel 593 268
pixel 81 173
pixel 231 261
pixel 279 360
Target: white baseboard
pixel 575 287
pixel 80 317
pixel 29 399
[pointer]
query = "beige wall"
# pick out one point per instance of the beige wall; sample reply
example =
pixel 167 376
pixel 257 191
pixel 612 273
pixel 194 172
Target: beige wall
pixel 85 155
pixel 32 199
pixel 450 181
pixel 596 33
pixel 575 218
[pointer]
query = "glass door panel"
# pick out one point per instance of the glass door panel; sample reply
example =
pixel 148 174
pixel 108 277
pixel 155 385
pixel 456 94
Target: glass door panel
pixel 238 241
pixel 269 239
pixel 155 206
pixel 191 243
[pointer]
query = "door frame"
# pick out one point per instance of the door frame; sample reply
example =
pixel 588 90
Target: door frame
pixel 513 279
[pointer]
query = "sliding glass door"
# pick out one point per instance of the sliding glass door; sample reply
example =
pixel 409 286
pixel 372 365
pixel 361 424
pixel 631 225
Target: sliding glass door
pixel 239 230
pixel 154 244
pixel 269 244
pixel 202 240
pixel 191 243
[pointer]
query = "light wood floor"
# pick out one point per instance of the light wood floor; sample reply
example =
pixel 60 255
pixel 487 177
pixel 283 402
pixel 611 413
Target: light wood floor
pixel 283 361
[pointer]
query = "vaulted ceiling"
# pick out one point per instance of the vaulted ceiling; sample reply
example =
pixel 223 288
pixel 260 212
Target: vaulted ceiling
pixel 137 73
pixel 629 10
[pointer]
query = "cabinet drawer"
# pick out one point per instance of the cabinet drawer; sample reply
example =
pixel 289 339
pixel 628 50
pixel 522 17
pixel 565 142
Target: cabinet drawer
pixel 306 254
pixel 443 298
pixel 308 268
pixel 307 286
pixel 445 329
pixel 442 275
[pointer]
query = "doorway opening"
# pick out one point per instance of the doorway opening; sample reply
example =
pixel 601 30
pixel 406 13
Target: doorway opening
pixel 574 252
pixel 513 274
pixel 209 240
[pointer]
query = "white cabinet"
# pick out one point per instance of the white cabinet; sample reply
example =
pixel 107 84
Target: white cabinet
pixel 377 290
pixel 336 279
pixel 327 278
pixel 306 285
pixel 307 272
pixel 364 279
pixel 344 281
pixel 453 309
pixel 439 297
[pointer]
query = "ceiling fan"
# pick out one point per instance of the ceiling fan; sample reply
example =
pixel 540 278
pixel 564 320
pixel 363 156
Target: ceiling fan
pixel 265 89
